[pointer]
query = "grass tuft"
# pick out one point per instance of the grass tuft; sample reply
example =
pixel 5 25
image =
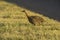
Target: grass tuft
pixel 2 24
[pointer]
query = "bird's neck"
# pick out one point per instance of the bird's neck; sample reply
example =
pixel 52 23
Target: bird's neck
pixel 26 13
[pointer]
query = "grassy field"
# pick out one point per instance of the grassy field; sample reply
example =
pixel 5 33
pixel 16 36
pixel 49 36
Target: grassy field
pixel 14 25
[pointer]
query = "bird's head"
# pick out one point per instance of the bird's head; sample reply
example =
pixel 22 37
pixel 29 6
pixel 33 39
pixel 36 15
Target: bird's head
pixel 23 10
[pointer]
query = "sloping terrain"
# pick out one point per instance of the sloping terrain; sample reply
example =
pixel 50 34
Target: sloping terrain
pixel 14 25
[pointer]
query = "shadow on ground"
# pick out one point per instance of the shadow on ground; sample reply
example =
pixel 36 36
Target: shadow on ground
pixel 50 8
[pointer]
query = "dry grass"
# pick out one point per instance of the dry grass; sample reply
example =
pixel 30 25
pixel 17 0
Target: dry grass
pixel 15 26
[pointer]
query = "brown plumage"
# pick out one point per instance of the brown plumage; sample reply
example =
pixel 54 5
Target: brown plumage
pixel 36 20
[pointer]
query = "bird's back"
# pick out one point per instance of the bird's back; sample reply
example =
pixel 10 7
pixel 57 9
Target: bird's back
pixel 36 20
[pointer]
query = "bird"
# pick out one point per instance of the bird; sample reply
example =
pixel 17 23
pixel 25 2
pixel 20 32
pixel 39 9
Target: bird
pixel 35 20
